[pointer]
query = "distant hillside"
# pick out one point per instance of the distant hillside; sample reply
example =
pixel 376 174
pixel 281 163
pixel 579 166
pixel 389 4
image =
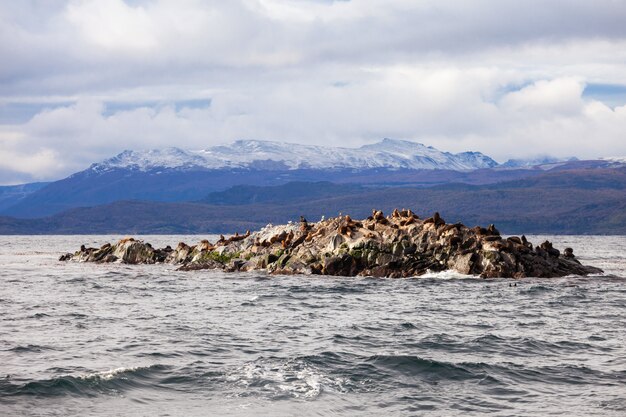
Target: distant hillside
pixel 13 194
pixel 281 194
pixel 566 202
pixel 89 188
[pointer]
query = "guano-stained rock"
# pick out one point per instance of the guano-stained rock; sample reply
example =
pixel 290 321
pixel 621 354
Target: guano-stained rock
pixel 399 245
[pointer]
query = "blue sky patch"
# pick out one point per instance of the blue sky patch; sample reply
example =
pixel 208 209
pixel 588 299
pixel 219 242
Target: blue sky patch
pixel 611 94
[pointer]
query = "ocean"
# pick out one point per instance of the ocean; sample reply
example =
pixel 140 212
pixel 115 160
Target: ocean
pixel 147 340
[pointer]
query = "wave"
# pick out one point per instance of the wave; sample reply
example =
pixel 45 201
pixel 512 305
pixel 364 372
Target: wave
pixel 537 289
pixel 305 377
pixel 448 275
pixel 29 348
pixel 309 376
pixel 415 371
pixel 356 286
pixel 490 344
pixel 428 369
pixel 86 385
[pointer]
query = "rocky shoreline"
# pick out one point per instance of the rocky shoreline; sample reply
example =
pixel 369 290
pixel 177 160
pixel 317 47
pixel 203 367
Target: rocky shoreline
pixel 398 245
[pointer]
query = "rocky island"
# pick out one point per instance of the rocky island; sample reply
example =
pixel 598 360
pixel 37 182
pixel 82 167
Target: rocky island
pixel 398 245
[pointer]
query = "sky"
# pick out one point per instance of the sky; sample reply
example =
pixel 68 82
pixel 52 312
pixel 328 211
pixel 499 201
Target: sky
pixel 82 80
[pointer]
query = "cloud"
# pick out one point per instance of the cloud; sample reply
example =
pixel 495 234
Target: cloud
pixel 562 96
pixel 18 164
pixel 113 25
pixel 84 79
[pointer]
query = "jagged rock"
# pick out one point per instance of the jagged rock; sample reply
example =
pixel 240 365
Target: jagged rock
pixel 133 251
pixel 399 245
pixel 206 264
pixel 462 263
pixel 65 257
pixel 344 265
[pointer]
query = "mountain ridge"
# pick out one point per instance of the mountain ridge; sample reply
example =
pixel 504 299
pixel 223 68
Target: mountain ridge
pixel 388 153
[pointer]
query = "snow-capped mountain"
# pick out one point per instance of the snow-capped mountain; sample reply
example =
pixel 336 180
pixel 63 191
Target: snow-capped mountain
pixel 388 154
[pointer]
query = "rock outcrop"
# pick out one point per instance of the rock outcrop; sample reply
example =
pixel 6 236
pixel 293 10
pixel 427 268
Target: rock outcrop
pixel 399 245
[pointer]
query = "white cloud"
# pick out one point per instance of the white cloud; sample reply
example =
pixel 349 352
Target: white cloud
pixel 506 77
pixel 562 96
pixel 113 25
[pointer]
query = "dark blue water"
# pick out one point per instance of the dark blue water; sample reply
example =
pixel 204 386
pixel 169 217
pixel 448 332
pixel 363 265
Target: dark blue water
pixel 80 339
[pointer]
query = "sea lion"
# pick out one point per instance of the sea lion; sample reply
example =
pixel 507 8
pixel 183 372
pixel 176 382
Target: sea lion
pixel 348 226
pixel 313 234
pixel 380 217
pixel 436 220
pixel 479 231
pixel 352 223
pixel 237 237
pixel 279 237
pixel 492 230
pixel 408 221
pixel 205 245
pixel 287 240
pixel 449 227
pixel 408 213
pixel 377 214
pixel 547 246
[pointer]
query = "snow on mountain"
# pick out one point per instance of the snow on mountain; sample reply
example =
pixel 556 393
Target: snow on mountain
pixel 532 162
pixel 616 159
pixel 388 153
pixel 152 159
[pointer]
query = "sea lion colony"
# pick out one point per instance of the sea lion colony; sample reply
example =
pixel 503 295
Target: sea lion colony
pixel 399 245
